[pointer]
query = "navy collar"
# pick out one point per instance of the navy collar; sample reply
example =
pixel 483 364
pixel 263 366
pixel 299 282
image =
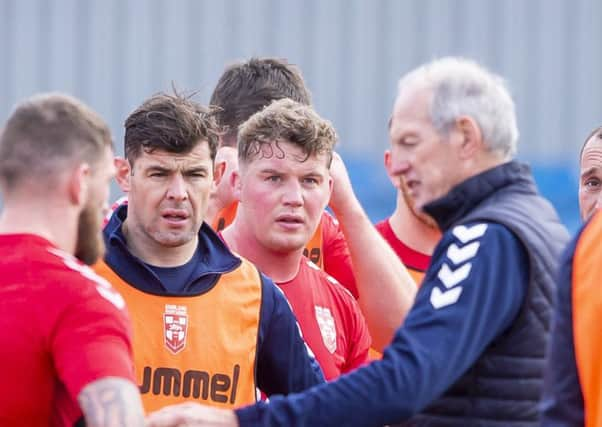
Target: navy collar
pixel 464 197
pixel 215 259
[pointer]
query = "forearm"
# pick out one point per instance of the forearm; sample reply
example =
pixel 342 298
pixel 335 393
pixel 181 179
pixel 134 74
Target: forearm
pixel 386 289
pixel 383 392
pixel 111 402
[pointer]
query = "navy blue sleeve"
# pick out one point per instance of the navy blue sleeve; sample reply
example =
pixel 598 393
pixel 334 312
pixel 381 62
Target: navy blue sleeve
pixel 284 362
pixel 472 292
pixel 562 403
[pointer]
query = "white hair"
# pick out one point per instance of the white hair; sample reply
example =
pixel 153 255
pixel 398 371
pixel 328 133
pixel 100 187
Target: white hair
pixel 463 87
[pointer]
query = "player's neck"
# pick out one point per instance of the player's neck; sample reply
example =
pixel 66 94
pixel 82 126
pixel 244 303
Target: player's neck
pixel 151 252
pixel 412 231
pixel 279 266
pixel 42 217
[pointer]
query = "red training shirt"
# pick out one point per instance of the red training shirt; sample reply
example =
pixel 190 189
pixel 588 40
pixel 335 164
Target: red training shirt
pixel 416 262
pixel 327 247
pixel 330 319
pixel 62 327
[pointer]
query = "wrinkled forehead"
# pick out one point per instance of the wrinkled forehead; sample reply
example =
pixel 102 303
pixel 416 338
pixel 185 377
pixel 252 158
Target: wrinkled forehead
pixel 411 118
pixel 414 101
pixel 592 152
pixel 412 93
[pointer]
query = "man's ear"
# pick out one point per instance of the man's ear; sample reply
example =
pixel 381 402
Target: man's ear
pixel 236 184
pixel 471 138
pixel 78 184
pixel 123 173
pixel 387 161
pixel 218 172
pixel 389 168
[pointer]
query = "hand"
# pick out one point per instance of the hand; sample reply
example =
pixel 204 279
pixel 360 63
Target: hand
pixel 342 192
pixel 192 415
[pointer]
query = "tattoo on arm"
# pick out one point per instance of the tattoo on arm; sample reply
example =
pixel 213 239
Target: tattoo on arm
pixel 111 402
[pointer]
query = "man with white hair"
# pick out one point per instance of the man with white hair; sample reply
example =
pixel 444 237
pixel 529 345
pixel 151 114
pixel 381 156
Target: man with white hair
pixel 471 350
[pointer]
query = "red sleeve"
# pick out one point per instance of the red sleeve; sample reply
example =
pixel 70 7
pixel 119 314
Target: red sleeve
pixel 92 337
pixel 337 260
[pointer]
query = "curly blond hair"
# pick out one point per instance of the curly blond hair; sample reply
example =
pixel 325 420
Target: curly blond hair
pixel 286 121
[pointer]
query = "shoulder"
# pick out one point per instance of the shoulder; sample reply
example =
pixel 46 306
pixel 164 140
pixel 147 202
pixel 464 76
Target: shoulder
pixel 579 261
pixel 585 242
pixel 78 282
pixel 329 225
pixel 245 267
pixel 477 239
pixel 471 253
pixel 384 229
pixel 471 257
pixel 273 298
pixel 328 220
pixel 314 275
pixel 479 249
pixel 382 225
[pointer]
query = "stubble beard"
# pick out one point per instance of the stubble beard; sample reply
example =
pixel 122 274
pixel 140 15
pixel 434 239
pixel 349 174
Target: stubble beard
pixel 90 246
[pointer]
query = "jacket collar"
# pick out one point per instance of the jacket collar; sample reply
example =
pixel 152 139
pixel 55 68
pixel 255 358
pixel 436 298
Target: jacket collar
pixel 215 258
pixel 464 197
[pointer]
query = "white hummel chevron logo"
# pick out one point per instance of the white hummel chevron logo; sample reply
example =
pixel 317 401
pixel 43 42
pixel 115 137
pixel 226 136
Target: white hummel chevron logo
pixel 442 299
pixel 460 254
pixel 451 278
pixel 466 234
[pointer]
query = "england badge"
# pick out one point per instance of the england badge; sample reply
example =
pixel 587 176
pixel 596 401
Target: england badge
pixel 327 327
pixel 175 324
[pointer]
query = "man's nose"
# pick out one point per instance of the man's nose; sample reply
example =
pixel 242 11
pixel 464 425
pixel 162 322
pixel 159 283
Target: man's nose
pixel 177 188
pixel 401 167
pixel 293 193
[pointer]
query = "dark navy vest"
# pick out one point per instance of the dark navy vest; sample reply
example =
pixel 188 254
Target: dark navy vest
pixel 504 386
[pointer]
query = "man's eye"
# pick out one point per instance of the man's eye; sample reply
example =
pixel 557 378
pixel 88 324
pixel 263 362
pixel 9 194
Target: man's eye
pixel 273 178
pixel 408 142
pixel 311 181
pixel 592 184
